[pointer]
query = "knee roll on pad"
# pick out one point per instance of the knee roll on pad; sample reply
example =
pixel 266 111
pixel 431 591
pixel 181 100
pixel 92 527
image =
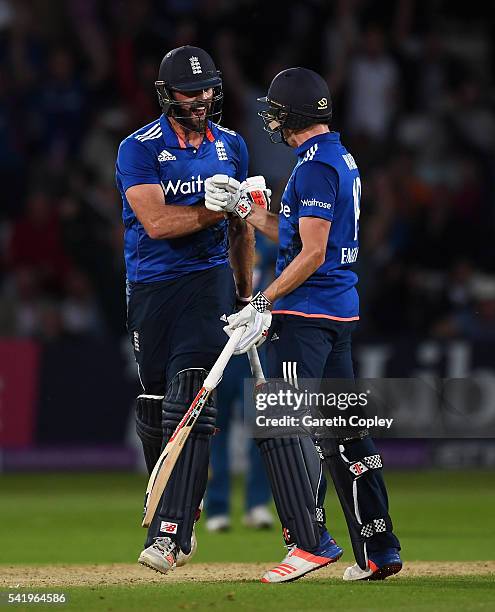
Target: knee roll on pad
pixel 298 485
pixel 356 470
pixel 187 484
pixel 179 396
pixel 149 427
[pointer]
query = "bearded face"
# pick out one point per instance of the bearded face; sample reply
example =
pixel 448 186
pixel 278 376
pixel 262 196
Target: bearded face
pixel 192 109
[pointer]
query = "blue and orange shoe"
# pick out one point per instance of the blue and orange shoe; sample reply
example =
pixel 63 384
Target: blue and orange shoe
pixel 381 565
pixel 299 562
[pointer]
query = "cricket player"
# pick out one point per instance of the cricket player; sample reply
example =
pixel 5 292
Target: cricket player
pixel 309 313
pixel 179 278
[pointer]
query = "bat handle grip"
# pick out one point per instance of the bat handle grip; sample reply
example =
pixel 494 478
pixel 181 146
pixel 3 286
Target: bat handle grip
pixel 255 363
pixel 216 372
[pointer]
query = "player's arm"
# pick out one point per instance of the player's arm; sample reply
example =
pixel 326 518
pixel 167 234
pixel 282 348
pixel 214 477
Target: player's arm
pixel 138 173
pixel 241 253
pixel 161 220
pixel 241 235
pixel 264 221
pixel 314 237
pixel 256 316
pixel 316 185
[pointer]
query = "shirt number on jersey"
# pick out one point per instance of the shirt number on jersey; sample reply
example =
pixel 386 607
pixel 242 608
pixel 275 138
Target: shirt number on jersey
pixel 356 193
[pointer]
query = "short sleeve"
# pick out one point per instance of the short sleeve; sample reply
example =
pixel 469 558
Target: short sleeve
pixel 136 164
pixel 316 187
pixel 242 170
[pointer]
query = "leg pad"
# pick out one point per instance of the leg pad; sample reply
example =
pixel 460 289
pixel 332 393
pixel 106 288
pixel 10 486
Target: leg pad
pixel 298 485
pixel 356 469
pixel 187 484
pixel 149 427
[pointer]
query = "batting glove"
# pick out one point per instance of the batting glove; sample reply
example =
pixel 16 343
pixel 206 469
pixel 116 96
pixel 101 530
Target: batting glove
pixel 255 191
pixel 223 194
pixel 257 318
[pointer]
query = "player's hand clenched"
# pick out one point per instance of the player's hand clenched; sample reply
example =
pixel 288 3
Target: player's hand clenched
pixel 254 189
pixel 257 318
pixel 225 194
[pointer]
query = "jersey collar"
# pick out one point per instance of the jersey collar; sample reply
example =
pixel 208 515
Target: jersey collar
pixel 172 140
pixel 327 137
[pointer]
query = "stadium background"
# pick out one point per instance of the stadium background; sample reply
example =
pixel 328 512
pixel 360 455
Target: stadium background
pixel 413 95
pixel 414 99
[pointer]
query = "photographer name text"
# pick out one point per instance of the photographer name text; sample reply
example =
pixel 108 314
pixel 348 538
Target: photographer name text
pixel 311 421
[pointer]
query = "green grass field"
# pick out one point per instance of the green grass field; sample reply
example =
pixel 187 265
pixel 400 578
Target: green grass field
pixel 60 520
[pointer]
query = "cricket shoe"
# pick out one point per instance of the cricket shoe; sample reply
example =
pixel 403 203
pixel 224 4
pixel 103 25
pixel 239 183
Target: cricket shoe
pixel 218 523
pixel 258 517
pixel 160 556
pixel 380 566
pixel 298 562
pixel 182 558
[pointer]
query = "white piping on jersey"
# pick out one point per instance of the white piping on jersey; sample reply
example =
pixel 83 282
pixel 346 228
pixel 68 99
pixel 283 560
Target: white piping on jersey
pixel 153 136
pixel 224 129
pixel 153 128
pixel 310 153
pixel 148 131
pixel 150 134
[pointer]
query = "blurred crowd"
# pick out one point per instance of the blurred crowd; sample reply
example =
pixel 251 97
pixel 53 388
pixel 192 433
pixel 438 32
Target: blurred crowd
pixel 413 93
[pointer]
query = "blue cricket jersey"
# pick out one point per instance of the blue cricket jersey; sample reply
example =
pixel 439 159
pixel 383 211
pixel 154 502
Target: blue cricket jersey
pixel 325 183
pixel 155 155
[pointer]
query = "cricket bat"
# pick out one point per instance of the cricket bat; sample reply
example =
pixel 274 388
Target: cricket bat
pixel 166 462
pixel 256 369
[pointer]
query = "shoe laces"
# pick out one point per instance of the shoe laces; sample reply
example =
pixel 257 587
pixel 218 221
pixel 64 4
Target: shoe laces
pixel 166 546
pixel 290 548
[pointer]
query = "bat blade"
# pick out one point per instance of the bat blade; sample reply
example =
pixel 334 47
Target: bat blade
pixel 166 462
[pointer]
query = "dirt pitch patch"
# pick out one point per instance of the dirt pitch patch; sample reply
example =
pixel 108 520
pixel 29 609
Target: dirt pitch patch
pixel 127 574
